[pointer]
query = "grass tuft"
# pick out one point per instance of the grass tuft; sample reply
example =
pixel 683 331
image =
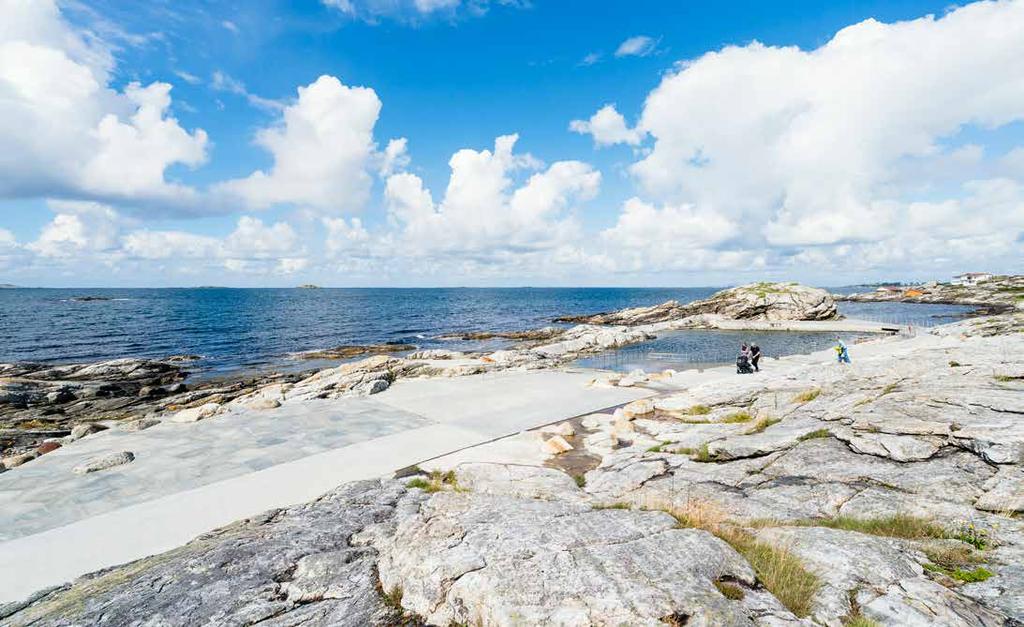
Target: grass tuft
pixel 951 557
pixel 777 568
pixel 614 506
pixel 895 526
pixel 436 481
pixel 814 435
pixel 954 364
pixel 966 576
pixel 1006 378
pixel 807 396
pixel 763 424
pixel 730 590
pixel 740 416
pixel 703 454
pixel 699 410
pixel 581 480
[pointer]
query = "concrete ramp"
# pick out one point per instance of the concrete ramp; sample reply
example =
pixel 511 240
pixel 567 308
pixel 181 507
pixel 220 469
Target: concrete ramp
pixel 190 478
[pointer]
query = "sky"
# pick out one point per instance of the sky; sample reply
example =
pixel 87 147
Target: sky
pixel 508 142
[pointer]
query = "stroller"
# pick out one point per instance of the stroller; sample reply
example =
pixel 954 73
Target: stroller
pixel 743 365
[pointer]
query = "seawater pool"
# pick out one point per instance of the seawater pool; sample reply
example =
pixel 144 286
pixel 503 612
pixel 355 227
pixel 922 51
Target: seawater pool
pixel 697 348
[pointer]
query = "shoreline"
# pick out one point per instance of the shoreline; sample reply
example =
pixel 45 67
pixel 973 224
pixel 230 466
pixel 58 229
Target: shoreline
pixel 630 468
pixel 142 528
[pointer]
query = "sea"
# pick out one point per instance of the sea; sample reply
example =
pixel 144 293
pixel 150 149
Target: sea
pixel 240 330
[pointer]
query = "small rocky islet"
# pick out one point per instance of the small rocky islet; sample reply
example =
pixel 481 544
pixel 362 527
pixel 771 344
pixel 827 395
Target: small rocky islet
pixel 884 493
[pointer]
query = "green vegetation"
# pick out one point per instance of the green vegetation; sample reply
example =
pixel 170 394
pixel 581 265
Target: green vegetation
pixel 888 389
pixel 740 416
pixel 954 364
pixel 855 618
pixel 730 590
pixel 763 424
pixel 969 534
pixel 657 448
pixel 814 435
pixel 581 480
pixel 808 396
pixel 686 450
pixel 703 454
pixel 778 569
pixel 436 481
pixel 967 576
pixel 1006 378
pixel 614 506
pixel 951 557
pixel 393 598
pixel 699 410
pixel 895 526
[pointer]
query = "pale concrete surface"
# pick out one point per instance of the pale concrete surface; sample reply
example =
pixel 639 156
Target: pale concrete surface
pixel 191 478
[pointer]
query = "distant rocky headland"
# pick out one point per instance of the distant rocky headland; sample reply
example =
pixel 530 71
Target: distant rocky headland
pixel 992 294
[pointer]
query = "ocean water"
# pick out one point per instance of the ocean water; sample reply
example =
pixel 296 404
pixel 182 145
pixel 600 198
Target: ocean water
pixel 243 329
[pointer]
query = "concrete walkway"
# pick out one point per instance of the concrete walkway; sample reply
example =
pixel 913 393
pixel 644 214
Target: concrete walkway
pixel 190 478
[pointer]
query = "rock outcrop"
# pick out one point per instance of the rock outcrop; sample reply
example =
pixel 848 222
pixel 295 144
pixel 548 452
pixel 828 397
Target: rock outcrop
pixel 756 301
pixel 998 294
pixel 890 487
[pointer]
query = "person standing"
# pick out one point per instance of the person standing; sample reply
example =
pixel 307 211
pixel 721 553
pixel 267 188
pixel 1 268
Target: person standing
pixel 842 354
pixel 755 356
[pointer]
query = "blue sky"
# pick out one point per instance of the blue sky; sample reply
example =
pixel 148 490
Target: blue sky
pixel 459 76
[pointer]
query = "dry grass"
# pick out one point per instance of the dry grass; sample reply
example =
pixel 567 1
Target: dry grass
pixel 951 556
pixel 730 590
pixel 763 424
pixel 814 435
pixel 698 410
pixel 807 396
pixel 777 568
pixel 740 416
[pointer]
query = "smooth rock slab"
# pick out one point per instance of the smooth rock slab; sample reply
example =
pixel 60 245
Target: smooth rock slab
pixel 1004 491
pixel 471 559
pixel 286 567
pixel 104 462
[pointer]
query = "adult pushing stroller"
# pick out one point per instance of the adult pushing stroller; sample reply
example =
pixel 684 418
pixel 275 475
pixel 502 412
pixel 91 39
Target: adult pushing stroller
pixel 743 365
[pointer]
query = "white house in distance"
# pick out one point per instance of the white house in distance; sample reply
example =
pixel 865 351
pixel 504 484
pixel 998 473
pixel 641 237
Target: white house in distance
pixel 971 278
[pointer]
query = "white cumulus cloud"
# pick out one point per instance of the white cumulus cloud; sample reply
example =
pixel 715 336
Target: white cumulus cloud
pixel 65 131
pixel 483 213
pixel 321 148
pixel 608 127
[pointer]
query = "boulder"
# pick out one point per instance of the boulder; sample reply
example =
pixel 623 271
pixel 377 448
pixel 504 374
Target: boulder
pixel 195 414
pixel 104 462
pixel 557 445
pixel 14 461
pixel 80 431
pixel 138 425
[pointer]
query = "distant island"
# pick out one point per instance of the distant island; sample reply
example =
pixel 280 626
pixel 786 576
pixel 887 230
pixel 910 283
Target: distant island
pixel 309 286
pixel 7 286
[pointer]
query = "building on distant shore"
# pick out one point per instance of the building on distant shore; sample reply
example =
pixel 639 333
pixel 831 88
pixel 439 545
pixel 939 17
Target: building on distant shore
pixel 889 288
pixel 971 278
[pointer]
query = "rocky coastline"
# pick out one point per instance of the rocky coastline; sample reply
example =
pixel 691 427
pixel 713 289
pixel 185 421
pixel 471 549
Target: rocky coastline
pixel 44 407
pixel 888 492
pixel 997 294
